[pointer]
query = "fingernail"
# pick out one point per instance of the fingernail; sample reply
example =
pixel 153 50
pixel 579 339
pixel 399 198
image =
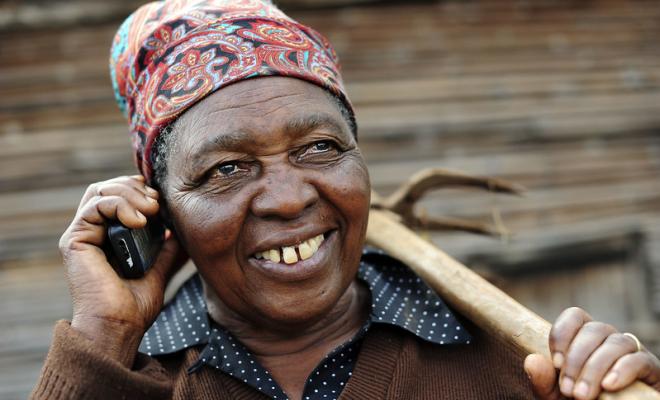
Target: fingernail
pixel 558 360
pixel 151 190
pixel 150 199
pixel 566 386
pixel 610 379
pixel 140 216
pixel 582 389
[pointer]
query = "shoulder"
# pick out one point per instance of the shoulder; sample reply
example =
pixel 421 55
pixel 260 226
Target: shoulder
pixel 484 368
pixel 412 365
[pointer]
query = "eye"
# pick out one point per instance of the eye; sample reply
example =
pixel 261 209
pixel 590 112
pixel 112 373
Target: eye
pixel 320 151
pixel 227 169
pixel 321 147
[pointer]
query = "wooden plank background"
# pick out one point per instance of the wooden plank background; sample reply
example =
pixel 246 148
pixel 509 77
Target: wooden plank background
pixel 562 97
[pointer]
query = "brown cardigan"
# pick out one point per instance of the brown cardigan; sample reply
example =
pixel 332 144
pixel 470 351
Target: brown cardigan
pixel 392 364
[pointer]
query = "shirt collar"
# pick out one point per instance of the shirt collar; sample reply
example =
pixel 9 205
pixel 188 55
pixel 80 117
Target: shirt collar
pixel 398 296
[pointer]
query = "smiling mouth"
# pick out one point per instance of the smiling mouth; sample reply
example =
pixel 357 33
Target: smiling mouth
pixel 292 254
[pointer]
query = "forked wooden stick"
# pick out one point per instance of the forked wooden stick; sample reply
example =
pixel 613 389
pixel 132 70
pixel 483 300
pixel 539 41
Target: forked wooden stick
pixel 473 296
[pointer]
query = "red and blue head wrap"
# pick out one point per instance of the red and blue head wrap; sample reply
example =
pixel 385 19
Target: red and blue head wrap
pixel 169 55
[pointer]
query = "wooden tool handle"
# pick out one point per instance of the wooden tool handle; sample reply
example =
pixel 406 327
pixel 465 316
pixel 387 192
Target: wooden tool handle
pixel 471 295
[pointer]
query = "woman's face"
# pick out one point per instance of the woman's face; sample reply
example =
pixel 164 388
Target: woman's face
pixel 261 166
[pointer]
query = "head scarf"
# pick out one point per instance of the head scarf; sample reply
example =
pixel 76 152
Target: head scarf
pixel 169 55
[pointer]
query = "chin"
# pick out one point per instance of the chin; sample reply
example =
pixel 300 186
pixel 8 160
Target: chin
pixel 277 298
pixel 298 307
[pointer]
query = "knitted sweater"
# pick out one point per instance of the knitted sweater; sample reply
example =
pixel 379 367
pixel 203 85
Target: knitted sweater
pixel 392 364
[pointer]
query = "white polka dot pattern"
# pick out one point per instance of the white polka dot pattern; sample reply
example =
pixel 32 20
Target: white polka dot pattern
pixel 399 298
pixel 181 324
pixel 226 353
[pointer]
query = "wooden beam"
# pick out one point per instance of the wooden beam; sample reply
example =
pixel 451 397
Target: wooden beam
pixel 474 297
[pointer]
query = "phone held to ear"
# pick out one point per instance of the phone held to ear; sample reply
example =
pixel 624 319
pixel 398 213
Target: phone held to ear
pixel 133 251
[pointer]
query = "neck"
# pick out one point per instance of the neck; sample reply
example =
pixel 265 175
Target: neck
pixel 291 356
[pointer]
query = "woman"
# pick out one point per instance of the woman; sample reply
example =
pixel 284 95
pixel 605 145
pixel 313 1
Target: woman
pixel 241 123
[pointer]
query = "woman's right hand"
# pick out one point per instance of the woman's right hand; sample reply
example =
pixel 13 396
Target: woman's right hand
pixel 111 311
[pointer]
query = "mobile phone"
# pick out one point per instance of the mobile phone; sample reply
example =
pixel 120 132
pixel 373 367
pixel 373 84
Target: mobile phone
pixel 133 251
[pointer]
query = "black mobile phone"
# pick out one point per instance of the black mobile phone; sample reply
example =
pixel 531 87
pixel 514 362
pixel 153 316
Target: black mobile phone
pixel 133 251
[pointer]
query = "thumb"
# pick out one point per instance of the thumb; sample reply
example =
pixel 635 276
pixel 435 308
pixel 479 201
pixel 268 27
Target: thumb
pixel 170 259
pixel 543 377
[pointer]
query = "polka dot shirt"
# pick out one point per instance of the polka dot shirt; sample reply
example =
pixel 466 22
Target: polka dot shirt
pixel 399 298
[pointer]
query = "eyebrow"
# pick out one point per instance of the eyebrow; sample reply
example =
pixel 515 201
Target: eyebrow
pixel 234 140
pixel 302 125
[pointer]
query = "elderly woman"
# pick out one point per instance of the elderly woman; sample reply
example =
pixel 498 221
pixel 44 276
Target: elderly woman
pixel 247 148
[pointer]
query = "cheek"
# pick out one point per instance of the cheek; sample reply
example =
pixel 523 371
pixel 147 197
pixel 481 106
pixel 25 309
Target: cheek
pixel 208 225
pixel 351 190
pixel 348 190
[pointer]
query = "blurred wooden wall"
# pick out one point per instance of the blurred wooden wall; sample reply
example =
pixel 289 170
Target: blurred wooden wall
pixel 562 97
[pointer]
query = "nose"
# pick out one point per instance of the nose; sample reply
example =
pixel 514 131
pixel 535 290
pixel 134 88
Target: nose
pixel 285 193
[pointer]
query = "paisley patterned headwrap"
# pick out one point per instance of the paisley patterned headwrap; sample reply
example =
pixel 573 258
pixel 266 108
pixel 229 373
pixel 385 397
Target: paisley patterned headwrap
pixel 169 55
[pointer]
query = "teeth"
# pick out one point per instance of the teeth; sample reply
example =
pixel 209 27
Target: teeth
pixel 313 245
pixel 305 250
pixel 289 255
pixel 273 255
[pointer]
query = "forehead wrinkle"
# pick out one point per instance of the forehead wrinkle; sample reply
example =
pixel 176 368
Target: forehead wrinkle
pixel 211 102
pixel 307 123
pixel 236 140
pixel 226 141
pixel 253 103
pixel 202 120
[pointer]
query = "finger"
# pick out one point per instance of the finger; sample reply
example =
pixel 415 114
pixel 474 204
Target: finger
pixel 563 331
pixel 634 366
pixel 100 209
pixel 151 192
pixel 117 187
pixel 89 224
pixel 170 259
pixel 543 377
pixel 588 384
pixel 588 339
pixel 146 204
